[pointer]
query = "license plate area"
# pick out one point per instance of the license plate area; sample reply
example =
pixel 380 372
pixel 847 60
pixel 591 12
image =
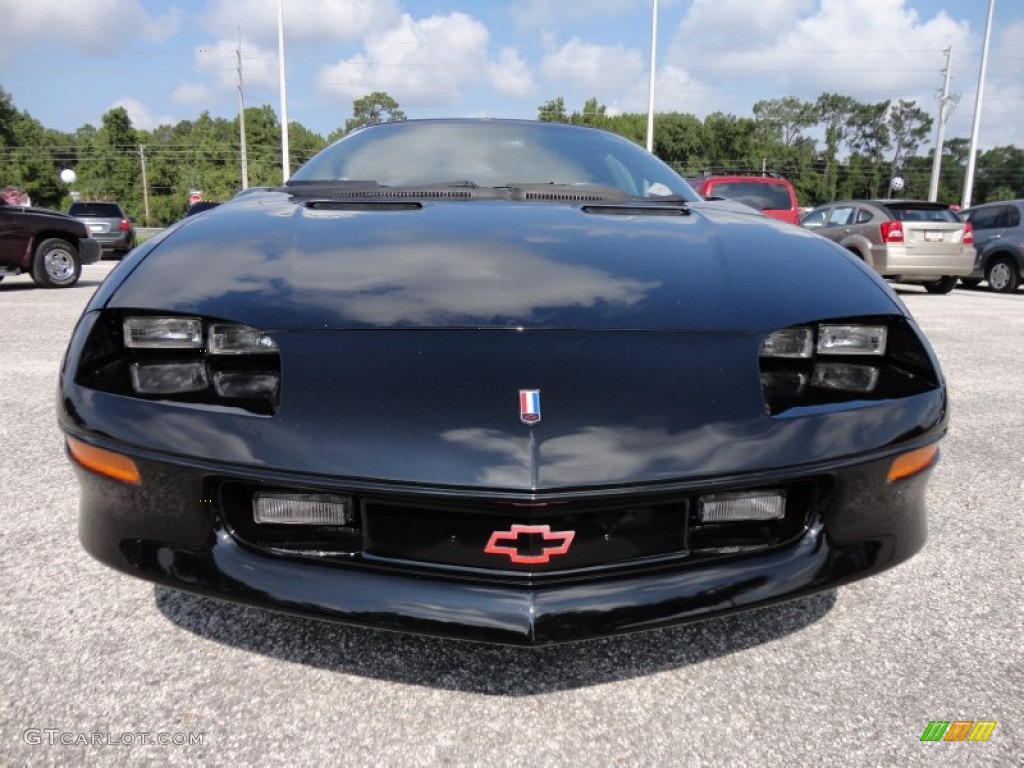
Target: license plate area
pixel 932 236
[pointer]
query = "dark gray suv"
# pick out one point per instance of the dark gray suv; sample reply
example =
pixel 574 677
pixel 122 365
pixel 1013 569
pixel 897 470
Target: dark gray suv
pixel 108 224
pixel 999 241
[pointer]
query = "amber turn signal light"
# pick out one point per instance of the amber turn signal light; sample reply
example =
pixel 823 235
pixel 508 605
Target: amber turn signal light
pixel 911 463
pixel 106 463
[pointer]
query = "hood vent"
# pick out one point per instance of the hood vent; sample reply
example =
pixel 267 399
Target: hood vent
pixel 636 210
pixel 567 197
pixel 364 205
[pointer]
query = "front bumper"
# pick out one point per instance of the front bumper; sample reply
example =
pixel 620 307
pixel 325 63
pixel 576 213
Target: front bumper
pixel 170 529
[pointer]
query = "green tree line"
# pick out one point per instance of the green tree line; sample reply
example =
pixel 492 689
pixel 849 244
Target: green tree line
pixel 831 148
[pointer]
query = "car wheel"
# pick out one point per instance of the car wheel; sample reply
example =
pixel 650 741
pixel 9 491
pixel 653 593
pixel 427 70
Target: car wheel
pixel 970 282
pixel 56 264
pixel 1002 275
pixel 942 285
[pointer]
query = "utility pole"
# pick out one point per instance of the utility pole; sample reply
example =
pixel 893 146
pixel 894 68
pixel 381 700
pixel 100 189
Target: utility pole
pixel 241 115
pixel 976 127
pixel 285 165
pixel 145 184
pixel 940 130
pixel 650 95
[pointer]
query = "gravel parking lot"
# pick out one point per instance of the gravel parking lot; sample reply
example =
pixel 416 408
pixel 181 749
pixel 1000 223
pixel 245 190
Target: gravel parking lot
pixel 97 668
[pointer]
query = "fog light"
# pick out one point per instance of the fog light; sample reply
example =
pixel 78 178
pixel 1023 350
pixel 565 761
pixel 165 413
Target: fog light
pixel 240 385
pixel 229 339
pixel 742 506
pixel 163 332
pixel 849 378
pixel 852 339
pixel 302 509
pixel 789 342
pixel 168 378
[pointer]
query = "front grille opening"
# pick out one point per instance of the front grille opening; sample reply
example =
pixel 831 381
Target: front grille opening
pixel 454 535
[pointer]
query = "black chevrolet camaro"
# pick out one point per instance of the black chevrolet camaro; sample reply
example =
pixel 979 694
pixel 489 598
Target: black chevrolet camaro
pixel 503 381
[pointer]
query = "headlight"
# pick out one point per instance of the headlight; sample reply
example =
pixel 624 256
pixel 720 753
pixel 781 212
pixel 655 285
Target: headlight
pixel 183 359
pixel 227 339
pixel 851 339
pixel 163 332
pixel 880 358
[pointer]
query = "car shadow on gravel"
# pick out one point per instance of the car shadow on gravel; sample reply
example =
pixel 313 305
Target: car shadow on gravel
pixel 7 286
pixel 477 667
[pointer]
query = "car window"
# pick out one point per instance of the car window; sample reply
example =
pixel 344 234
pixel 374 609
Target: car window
pixel 864 216
pixel 841 216
pixel 1012 216
pixel 759 195
pixel 100 210
pixel 815 219
pixel 921 212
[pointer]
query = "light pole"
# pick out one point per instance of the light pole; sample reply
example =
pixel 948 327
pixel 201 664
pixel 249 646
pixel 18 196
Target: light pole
pixel 285 165
pixel 976 127
pixel 650 93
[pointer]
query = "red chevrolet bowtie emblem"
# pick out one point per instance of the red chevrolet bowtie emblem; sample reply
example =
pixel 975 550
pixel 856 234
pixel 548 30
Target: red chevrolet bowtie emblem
pixel 513 542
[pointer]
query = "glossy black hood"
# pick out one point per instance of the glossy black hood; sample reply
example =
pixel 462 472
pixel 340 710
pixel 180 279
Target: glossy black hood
pixel 274 262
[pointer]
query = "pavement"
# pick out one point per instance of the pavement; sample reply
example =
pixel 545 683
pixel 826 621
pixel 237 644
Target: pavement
pixel 97 668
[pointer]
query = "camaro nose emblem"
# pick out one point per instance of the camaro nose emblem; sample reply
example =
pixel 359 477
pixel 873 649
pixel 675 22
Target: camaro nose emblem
pixel 530 544
pixel 529 406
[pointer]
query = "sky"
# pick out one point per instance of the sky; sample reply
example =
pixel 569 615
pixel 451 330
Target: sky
pixel 67 63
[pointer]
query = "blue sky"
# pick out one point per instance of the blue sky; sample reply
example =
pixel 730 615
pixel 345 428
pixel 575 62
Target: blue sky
pixel 68 62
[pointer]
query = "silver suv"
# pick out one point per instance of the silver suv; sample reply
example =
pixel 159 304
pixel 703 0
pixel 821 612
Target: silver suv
pixel 999 240
pixel 908 241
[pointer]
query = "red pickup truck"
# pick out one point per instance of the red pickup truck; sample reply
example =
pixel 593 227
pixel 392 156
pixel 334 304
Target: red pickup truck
pixel 48 245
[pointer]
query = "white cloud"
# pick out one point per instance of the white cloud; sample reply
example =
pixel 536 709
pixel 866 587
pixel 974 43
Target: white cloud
pixel 341 20
pixel 595 70
pixel 140 115
pixel 1003 104
pixel 219 62
pixel 418 62
pixel 511 75
pixel 191 94
pixel 870 50
pixel 84 26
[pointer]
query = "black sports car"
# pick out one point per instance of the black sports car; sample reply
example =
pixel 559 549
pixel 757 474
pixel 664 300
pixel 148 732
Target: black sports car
pixel 498 380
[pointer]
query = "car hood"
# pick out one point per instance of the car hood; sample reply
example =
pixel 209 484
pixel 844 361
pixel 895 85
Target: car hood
pixel 278 263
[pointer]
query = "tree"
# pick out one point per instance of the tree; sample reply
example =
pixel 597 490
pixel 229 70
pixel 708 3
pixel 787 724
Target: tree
pixel 909 126
pixel 374 108
pixel 553 111
pixel 784 120
pixel 593 114
pixel 834 112
pixel 869 135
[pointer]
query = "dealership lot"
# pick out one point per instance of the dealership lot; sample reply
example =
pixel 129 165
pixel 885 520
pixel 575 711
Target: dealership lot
pixel 851 677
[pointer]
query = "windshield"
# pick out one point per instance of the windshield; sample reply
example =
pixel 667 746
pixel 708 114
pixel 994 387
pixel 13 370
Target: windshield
pixel 493 154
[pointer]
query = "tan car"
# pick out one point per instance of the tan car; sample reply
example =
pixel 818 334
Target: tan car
pixel 907 241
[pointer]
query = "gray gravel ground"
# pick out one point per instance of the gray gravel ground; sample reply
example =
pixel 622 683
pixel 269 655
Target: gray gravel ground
pixel 846 678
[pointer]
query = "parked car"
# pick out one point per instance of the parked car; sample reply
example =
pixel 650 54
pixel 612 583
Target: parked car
pixel 999 241
pixel 770 194
pixel 561 397
pixel 907 241
pixel 48 245
pixel 108 223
